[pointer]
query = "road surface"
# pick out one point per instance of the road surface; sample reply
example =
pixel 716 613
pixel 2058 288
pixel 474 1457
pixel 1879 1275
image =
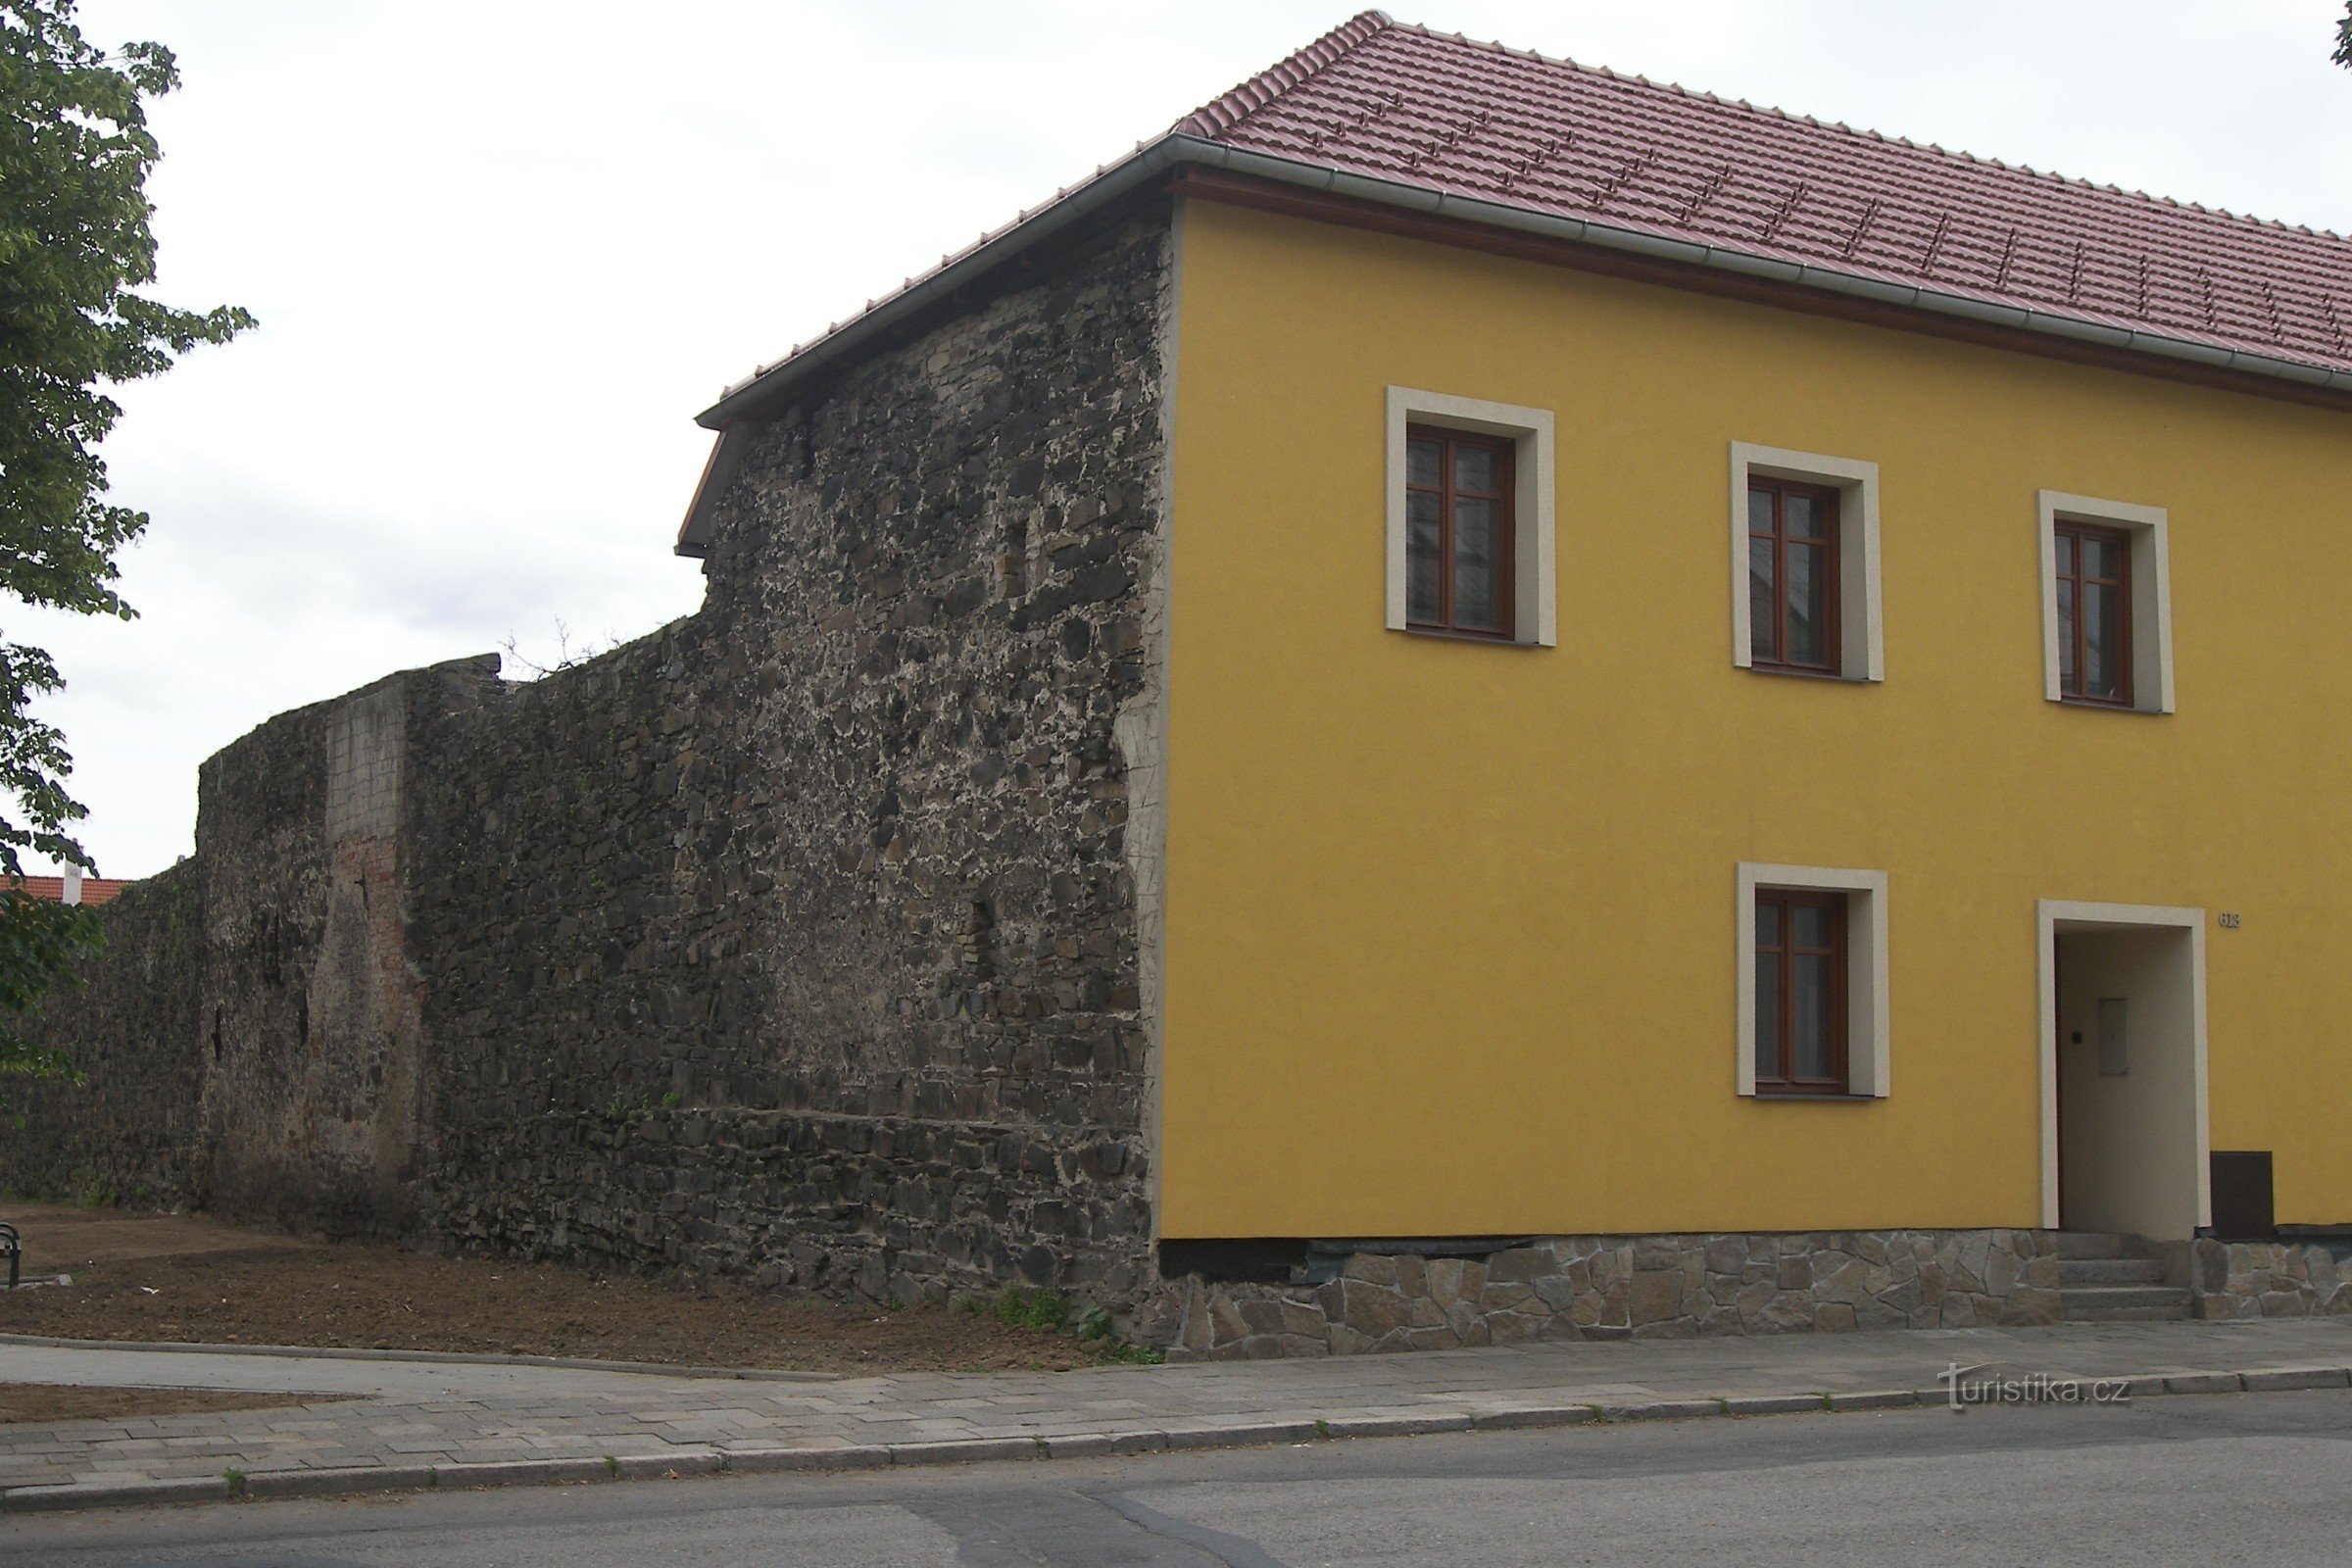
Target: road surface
pixel 2250 1477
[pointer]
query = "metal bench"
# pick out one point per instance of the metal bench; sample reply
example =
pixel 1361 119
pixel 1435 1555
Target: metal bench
pixel 12 1248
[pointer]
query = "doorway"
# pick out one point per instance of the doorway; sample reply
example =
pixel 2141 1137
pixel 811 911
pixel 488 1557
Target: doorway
pixel 2123 1052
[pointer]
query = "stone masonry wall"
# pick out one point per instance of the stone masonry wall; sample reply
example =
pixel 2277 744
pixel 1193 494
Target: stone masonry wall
pixel 308 1043
pixel 2270 1279
pixel 1617 1287
pixel 130 1133
pixel 802 939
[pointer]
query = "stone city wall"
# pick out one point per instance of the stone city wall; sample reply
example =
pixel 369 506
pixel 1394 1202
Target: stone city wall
pixel 805 938
pixel 128 1132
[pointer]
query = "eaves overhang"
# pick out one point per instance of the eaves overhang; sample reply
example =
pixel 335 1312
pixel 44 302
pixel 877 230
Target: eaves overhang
pixel 776 383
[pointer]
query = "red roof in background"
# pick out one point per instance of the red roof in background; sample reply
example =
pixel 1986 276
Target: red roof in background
pixel 1406 105
pixel 94 889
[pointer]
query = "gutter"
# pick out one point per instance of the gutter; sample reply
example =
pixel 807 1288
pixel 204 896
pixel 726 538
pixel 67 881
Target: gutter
pixel 1176 149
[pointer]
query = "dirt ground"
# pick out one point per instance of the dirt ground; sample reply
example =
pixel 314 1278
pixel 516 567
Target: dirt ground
pixel 177 1277
pixel 48 1402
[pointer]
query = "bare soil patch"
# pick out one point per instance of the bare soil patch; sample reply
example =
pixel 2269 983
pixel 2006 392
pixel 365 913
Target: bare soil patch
pixel 46 1404
pixel 189 1279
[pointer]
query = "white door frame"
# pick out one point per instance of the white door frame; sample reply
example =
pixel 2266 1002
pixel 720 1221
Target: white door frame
pixel 2051 914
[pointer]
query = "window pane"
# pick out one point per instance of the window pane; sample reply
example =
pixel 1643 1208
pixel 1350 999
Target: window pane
pixel 1768 1014
pixel 1421 463
pixel 1759 512
pixel 2066 634
pixel 1768 925
pixel 2066 554
pixel 2102 637
pixel 1421 557
pixel 2102 558
pixel 1808 926
pixel 1810 1024
pixel 1474 469
pixel 1808 603
pixel 1801 516
pixel 1477 589
pixel 1761 599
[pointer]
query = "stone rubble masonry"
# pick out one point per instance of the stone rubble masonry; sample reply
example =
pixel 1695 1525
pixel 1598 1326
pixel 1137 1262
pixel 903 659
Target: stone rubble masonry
pixel 128 1132
pixel 2270 1279
pixel 1620 1288
pixel 802 938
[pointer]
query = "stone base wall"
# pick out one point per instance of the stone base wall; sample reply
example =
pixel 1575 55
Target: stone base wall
pixel 1617 1288
pixel 2270 1279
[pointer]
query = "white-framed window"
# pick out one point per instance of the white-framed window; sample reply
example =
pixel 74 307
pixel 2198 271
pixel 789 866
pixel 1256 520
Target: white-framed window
pixel 1470 518
pixel 1812 982
pixel 1806 564
pixel 2106 604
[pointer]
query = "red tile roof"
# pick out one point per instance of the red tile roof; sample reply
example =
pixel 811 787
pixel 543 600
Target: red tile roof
pixel 1432 121
pixel 1406 105
pixel 94 889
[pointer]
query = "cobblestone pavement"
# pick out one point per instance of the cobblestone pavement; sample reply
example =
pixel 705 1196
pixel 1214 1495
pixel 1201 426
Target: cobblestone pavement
pixel 427 1424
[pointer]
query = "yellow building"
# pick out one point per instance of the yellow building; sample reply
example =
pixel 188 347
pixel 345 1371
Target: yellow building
pixel 1751 721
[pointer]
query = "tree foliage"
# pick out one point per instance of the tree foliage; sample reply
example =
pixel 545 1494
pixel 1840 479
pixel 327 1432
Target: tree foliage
pixel 2343 38
pixel 76 248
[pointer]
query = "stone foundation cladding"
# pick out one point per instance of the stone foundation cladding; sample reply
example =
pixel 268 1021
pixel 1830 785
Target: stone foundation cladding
pixel 802 939
pixel 2270 1279
pixel 1614 1288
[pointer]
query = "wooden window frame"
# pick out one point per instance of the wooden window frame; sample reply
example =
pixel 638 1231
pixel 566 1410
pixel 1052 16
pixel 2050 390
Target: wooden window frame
pixel 1829 500
pixel 1840 1080
pixel 1506 540
pixel 2123 631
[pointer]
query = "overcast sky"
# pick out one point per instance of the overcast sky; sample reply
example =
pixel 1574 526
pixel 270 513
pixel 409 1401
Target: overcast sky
pixel 502 252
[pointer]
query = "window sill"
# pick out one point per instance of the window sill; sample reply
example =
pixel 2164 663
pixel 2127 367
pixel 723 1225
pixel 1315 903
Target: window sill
pixel 1798 673
pixel 1434 634
pixel 2092 706
pixel 1824 1095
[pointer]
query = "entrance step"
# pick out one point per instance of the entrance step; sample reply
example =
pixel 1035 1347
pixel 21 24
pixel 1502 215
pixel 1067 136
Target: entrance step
pixel 2109 1271
pixel 2124 1303
pixel 2106 1278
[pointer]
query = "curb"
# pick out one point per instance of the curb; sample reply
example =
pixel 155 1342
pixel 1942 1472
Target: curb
pixel 339 1352
pixel 703 1460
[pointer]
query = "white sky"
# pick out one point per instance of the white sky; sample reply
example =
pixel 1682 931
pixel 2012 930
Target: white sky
pixel 502 251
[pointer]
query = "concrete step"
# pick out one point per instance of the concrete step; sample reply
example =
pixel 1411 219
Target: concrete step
pixel 2094 1243
pixel 2123 1303
pixel 2109 1271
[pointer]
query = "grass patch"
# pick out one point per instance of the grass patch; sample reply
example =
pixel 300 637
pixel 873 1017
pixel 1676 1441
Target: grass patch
pixel 1015 1307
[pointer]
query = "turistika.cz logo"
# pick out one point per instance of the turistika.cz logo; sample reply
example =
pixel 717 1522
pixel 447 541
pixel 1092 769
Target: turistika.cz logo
pixel 1964 1386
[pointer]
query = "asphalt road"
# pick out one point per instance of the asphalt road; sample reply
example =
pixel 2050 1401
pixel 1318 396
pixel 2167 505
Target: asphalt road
pixel 2254 1478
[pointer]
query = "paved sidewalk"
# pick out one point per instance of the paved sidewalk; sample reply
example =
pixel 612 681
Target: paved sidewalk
pixel 436 1424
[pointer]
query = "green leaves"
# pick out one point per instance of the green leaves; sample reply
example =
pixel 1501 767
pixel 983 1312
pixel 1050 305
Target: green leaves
pixel 41 942
pixel 2343 39
pixel 76 246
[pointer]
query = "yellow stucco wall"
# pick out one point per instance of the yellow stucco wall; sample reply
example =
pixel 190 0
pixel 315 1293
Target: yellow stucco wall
pixel 1451 926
